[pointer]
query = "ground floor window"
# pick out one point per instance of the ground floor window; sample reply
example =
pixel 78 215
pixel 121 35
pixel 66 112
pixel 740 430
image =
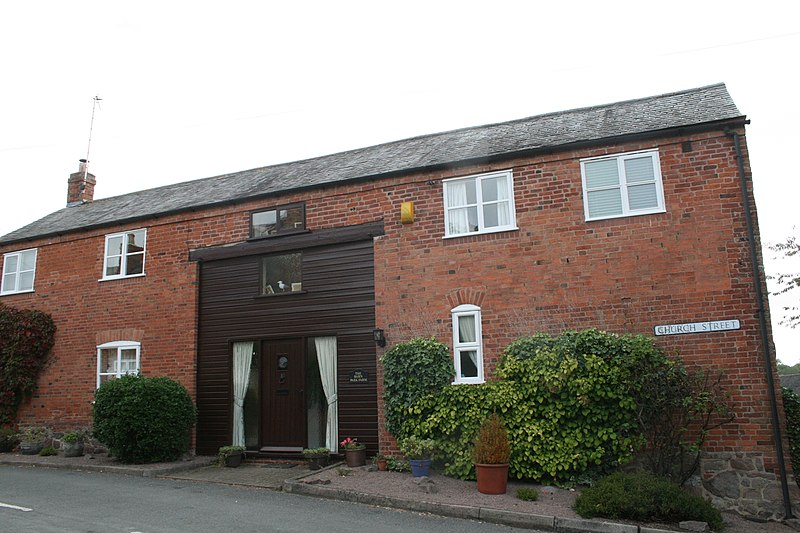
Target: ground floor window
pixel 467 344
pixel 115 359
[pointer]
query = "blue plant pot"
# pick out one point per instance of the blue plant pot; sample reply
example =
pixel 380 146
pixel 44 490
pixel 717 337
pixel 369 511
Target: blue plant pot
pixel 420 467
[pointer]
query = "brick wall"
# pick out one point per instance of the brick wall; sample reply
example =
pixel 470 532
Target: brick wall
pixel 556 272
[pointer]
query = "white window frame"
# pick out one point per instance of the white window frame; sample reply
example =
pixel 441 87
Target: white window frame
pixel 14 288
pixel 623 185
pixel 480 204
pixel 119 346
pixel 458 347
pixel 124 256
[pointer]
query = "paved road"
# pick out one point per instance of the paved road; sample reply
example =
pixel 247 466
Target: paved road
pixel 98 502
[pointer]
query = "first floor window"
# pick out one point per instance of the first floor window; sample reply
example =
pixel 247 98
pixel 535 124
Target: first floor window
pixel 479 204
pixel 622 185
pixel 115 359
pixel 467 344
pixel 18 271
pixel 124 254
pixel 282 273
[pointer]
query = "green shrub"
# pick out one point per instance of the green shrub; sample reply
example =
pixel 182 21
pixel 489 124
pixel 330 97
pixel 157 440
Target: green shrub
pixel 412 370
pixel 528 494
pixel 414 447
pixel 644 497
pixel 8 440
pixel 26 337
pixel 491 444
pixel 47 451
pixel 791 406
pixel 143 419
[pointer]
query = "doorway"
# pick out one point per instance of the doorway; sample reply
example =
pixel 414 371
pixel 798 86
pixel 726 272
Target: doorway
pixel 283 417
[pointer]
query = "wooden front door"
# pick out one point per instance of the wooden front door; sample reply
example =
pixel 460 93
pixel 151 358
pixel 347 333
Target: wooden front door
pixel 283 425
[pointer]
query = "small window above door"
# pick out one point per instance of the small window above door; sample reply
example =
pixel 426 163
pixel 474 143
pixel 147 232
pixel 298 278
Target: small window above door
pixel 278 221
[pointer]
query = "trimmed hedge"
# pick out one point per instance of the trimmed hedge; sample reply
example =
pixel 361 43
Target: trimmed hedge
pixel 144 419
pixel 568 402
pixel 644 497
pixel 412 370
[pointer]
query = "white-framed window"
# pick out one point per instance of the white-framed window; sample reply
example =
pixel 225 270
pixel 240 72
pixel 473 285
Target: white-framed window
pixel 479 204
pixel 622 185
pixel 467 344
pixel 115 359
pixel 124 256
pixel 19 269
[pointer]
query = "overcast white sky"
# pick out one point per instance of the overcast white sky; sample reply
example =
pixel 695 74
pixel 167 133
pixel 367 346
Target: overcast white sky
pixel 195 89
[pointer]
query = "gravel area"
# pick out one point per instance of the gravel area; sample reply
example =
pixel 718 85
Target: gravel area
pixel 552 501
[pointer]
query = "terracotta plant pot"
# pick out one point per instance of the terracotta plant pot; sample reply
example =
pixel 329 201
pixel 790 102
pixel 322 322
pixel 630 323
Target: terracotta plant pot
pixel 357 457
pixel 381 464
pixel 492 479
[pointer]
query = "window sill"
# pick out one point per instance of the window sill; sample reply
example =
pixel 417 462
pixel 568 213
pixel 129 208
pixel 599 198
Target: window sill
pixel 623 215
pixel 114 278
pixel 471 382
pixel 279 294
pixel 10 293
pixel 485 232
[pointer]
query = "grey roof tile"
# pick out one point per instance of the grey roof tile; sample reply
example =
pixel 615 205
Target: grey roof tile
pixel 591 124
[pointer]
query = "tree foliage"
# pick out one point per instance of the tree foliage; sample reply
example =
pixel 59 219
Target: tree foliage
pixel 791 406
pixel 787 282
pixel 26 338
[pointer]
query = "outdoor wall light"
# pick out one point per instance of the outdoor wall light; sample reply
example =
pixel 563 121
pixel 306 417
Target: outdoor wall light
pixel 377 336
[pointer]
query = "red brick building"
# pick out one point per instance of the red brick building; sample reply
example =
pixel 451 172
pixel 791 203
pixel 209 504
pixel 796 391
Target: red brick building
pixel 262 290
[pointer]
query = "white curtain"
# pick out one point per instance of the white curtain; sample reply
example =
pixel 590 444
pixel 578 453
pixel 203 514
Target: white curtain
pixel 503 207
pixel 242 357
pixel 466 333
pixel 457 196
pixel 326 357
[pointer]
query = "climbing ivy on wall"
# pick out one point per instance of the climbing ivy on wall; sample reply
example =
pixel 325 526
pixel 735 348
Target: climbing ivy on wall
pixel 26 338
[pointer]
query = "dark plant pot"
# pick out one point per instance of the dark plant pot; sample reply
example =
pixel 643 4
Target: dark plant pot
pixel 355 457
pixel 30 448
pixel 492 479
pixel 420 467
pixel 74 449
pixel 315 462
pixel 381 464
pixel 234 460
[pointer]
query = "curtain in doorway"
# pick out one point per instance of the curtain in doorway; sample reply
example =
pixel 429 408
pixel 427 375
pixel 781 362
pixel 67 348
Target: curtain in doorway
pixel 326 357
pixel 242 357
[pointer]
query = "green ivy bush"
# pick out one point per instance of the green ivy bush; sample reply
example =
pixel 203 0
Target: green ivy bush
pixel 26 338
pixel 791 406
pixel 144 419
pixel 8 440
pixel 412 370
pixel 644 497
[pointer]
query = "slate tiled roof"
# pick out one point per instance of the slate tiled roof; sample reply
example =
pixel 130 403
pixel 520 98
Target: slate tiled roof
pixel 591 124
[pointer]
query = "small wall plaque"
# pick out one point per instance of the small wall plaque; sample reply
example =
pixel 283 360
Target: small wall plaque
pixel 359 376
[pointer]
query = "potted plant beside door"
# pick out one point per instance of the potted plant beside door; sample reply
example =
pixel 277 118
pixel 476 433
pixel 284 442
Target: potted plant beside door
pixel 355 453
pixel 491 454
pixel 231 455
pixel 317 457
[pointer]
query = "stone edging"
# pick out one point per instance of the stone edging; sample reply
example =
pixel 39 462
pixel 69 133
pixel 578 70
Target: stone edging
pixel 495 516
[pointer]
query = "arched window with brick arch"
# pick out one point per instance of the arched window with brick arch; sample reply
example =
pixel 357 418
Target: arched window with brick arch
pixel 467 344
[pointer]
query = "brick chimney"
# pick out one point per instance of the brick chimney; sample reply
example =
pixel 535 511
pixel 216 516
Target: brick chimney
pixel 80 187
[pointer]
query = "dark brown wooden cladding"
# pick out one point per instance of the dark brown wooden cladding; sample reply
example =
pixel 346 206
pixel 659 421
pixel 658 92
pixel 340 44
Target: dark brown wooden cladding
pixel 338 298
